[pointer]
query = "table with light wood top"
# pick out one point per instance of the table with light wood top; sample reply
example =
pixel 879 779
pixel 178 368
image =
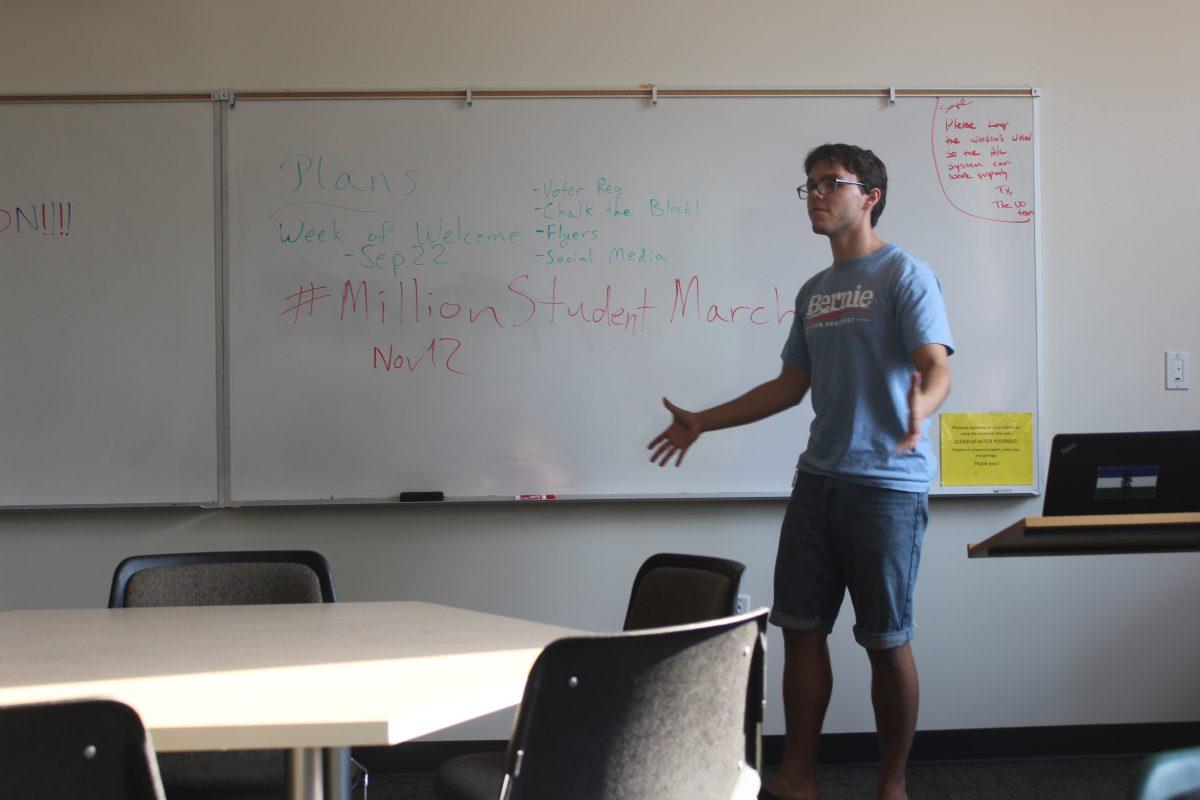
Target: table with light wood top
pixel 1096 534
pixel 300 677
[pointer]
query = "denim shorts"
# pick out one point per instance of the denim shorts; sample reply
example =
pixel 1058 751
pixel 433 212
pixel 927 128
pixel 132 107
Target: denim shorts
pixel 839 535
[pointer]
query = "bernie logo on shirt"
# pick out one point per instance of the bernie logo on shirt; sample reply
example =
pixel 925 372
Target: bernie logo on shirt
pixel 837 308
pixel 1126 483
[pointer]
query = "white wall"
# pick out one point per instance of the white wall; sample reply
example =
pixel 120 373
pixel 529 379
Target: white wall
pixel 1001 642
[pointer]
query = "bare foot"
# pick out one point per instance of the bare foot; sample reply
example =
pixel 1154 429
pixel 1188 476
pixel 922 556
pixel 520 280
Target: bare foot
pixel 891 792
pixel 782 789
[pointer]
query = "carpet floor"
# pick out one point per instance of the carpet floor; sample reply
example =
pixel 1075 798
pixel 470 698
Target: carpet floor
pixel 1047 779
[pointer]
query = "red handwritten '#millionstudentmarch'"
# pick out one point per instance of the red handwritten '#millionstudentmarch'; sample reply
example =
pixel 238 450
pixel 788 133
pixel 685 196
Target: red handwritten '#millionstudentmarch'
pixel 411 303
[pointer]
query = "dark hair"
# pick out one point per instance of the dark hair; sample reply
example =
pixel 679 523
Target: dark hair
pixel 865 165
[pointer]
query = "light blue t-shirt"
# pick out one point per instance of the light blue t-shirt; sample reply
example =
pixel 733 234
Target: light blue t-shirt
pixel 856 326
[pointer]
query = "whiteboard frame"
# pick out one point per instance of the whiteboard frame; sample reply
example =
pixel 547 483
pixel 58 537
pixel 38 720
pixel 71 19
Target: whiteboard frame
pixel 216 99
pixel 224 100
pixel 224 441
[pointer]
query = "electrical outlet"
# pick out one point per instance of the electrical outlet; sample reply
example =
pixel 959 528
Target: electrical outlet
pixel 1177 369
pixel 743 603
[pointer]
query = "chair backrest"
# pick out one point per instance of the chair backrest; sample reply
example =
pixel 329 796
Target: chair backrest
pixel 246 577
pixel 676 589
pixel 85 750
pixel 654 713
pixel 1173 775
pixel 236 577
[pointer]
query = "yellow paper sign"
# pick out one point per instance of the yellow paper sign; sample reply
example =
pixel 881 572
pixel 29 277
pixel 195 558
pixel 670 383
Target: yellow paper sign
pixel 987 449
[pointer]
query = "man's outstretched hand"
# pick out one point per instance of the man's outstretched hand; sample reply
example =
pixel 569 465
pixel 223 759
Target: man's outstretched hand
pixel 677 438
pixel 917 412
pixel 927 391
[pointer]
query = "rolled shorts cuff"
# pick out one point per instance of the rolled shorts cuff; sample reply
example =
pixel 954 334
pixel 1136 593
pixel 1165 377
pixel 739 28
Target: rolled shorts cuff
pixel 881 641
pixel 792 622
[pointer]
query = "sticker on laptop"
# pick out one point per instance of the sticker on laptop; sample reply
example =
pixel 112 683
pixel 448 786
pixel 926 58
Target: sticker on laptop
pixel 1126 483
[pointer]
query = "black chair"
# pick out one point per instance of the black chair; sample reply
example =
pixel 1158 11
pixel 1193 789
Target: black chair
pixel 247 577
pixel 669 589
pixel 1173 775
pixel 675 589
pixel 84 750
pixel 645 714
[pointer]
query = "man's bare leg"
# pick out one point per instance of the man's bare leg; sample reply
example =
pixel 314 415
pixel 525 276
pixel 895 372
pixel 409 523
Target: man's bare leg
pixel 807 685
pixel 895 694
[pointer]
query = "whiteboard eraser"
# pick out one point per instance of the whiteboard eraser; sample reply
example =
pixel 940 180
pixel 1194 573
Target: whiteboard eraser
pixel 421 497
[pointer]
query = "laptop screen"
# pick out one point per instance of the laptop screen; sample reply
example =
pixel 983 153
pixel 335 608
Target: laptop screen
pixel 1123 473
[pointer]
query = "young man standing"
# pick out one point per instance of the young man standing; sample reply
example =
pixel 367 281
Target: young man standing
pixel 871 339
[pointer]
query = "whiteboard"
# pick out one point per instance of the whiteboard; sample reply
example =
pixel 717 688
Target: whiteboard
pixel 107 304
pixel 489 301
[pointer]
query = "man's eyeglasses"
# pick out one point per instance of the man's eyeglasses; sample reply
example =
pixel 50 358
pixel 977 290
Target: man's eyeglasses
pixel 824 186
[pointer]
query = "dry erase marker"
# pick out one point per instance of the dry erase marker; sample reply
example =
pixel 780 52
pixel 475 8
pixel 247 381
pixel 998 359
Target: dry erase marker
pixel 536 497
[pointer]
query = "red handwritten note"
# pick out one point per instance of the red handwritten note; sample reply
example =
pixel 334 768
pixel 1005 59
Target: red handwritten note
pixel 983 160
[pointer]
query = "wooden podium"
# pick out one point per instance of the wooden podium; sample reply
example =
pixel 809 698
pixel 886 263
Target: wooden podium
pixel 1096 534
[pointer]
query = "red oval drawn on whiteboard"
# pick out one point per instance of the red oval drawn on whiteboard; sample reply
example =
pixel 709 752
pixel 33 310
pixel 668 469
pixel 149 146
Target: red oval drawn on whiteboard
pixel 937 104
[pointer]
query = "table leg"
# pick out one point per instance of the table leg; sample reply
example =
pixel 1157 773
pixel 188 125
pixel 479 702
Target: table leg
pixel 305 774
pixel 337 773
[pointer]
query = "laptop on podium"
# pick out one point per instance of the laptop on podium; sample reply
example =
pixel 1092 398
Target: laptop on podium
pixel 1123 473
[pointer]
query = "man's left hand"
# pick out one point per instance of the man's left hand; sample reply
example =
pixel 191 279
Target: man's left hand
pixel 916 416
pixel 927 391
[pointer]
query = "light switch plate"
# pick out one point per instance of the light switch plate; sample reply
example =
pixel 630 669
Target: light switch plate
pixel 1177 369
